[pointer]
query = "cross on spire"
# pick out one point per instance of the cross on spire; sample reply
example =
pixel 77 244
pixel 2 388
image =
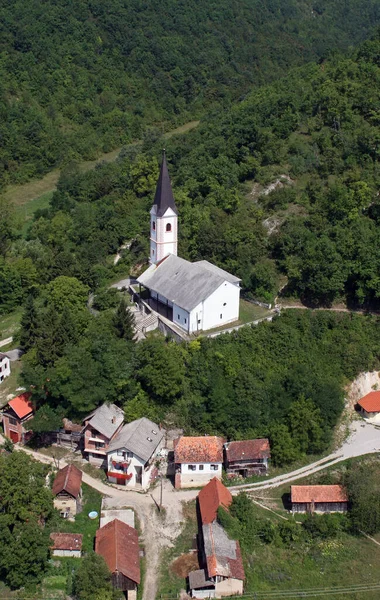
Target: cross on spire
pixel 164 198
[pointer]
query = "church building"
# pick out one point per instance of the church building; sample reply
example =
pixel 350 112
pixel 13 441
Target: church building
pixel 195 296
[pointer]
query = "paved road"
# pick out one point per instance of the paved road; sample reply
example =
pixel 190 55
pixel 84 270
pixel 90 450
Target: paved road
pixel 363 439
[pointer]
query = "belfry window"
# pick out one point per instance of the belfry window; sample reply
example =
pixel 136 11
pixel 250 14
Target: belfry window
pixel 168 227
pixel 154 225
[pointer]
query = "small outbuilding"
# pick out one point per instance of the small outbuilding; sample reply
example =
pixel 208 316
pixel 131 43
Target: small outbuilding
pixel 369 405
pixel 5 366
pixel 66 544
pixel 318 498
pixel 67 491
pixel 118 543
pixel 247 457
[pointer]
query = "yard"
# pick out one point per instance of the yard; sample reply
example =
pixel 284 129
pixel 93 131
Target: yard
pixel 10 384
pixel 176 562
pixel 9 325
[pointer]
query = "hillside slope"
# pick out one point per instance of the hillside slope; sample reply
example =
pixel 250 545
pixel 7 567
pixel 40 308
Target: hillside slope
pixel 78 78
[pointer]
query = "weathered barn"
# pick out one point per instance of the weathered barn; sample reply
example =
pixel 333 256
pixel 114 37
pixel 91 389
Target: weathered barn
pixel 318 498
pixel 118 543
pixel 67 491
pixel 247 457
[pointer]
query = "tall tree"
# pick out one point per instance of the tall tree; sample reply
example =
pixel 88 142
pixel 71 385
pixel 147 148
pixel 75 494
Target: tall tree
pixel 124 321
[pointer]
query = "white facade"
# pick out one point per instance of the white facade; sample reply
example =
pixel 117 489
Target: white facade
pixel 220 308
pixel 163 234
pixel 5 367
pixel 70 553
pixel 196 474
pixel 139 471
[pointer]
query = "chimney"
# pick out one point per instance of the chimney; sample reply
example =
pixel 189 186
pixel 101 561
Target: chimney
pixel 113 420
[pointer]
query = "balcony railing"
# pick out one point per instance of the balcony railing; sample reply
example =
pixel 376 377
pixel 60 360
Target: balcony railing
pixel 120 475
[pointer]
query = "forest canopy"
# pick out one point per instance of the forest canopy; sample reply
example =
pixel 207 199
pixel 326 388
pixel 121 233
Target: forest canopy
pixel 85 77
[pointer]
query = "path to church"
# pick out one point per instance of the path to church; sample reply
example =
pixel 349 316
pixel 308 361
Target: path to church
pixel 159 531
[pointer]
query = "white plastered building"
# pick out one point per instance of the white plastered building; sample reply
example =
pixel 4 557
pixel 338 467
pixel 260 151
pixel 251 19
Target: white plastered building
pixel 195 296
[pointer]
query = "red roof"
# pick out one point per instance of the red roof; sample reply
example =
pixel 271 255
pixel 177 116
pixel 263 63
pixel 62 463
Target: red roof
pixel 213 495
pixel 66 541
pixel 371 402
pixel 248 450
pixel 118 543
pixel 318 493
pixel 68 479
pixel 22 405
pixel 205 449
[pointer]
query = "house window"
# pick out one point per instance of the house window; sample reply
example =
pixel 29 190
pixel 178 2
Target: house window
pixel 214 467
pixel 154 225
pixel 201 467
pixel 168 227
pixel 199 320
pixel 192 467
pixel 120 453
pixel 99 445
pixel 94 433
pixel 12 421
pixel 224 303
pixel 221 316
pixel 152 252
pixel 179 317
pixel 185 321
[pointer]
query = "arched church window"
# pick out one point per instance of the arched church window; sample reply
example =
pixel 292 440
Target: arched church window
pixel 168 227
pixel 154 225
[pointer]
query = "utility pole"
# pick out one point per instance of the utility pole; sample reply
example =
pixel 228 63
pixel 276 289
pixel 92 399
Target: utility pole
pixel 161 493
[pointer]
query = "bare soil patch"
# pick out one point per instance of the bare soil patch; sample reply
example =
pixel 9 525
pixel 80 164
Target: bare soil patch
pixel 184 564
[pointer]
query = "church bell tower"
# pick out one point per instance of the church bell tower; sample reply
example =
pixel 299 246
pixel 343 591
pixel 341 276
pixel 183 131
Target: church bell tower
pixel 163 218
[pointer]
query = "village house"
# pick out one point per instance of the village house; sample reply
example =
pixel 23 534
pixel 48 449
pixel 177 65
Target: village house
pixel 194 296
pixel 131 454
pixel 100 428
pixel 318 498
pixel 197 460
pixel 67 491
pixel 222 574
pixel 369 406
pixel 66 544
pixel 118 543
pixel 17 412
pixel 5 366
pixel 246 458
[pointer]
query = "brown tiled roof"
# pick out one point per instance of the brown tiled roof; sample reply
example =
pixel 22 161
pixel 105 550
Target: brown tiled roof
pixel 66 541
pixel 248 450
pixel 205 449
pixel 370 402
pixel 213 495
pixel 318 493
pixel 22 405
pixel 118 543
pixel 68 479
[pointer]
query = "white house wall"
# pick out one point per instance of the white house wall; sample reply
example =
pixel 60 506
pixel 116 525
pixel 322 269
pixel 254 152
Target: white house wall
pixel 190 478
pixel 181 317
pixel 5 368
pixel 222 306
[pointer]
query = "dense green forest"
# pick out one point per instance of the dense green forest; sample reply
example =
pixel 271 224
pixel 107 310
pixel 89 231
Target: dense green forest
pixel 78 78
pixel 319 126
pixel 282 379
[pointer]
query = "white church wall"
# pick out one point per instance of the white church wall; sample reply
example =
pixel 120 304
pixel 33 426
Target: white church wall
pixel 222 306
pixel 181 317
pixel 162 241
pixel 196 317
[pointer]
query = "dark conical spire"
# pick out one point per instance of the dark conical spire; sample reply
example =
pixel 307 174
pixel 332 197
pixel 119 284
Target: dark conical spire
pixel 164 198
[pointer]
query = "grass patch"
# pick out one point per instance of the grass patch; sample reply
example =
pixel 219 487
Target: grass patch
pixel 92 500
pixel 10 324
pixel 170 583
pixel 251 312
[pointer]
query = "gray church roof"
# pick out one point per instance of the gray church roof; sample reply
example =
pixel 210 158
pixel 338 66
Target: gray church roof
pixel 106 419
pixel 164 198
pixel 184 283
pixel 140 437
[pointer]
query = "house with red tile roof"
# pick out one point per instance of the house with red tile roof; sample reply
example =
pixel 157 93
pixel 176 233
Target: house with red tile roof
pixel 67 491
pixel 197 460
pixel 318 498
pixel 66 544
pixel 247 457
pixel 222 574
pixel 17 412
pixel 369 405
pixel 118 543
